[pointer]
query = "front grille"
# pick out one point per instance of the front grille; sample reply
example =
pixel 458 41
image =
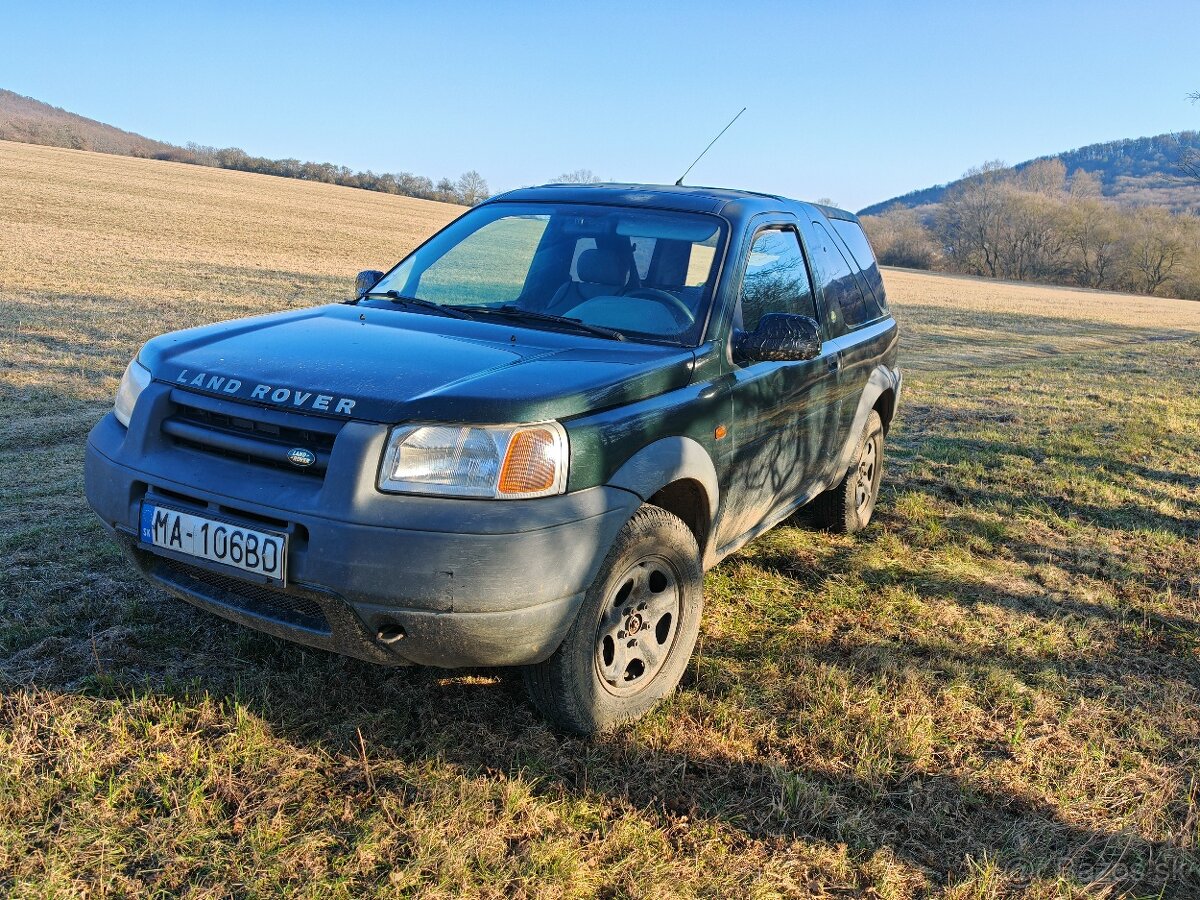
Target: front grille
pixel 257 599
pixel 250 434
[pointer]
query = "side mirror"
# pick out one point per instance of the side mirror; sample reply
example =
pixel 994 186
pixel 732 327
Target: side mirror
pixel 364 281
pixel 779 337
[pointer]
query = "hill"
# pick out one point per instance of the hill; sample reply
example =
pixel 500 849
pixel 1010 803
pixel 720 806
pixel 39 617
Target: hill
pixel 34 122
pixel 31 121
pixel 1135 171
pixel 993 692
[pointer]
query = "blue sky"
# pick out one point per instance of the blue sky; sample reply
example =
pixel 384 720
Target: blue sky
pixel 853 101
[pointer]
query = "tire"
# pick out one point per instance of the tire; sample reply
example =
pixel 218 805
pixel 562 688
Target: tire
pixel 634 633
pixel 847 508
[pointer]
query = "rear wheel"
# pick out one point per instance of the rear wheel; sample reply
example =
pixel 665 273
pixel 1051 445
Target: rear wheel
pixel 634 633
pixel 848 507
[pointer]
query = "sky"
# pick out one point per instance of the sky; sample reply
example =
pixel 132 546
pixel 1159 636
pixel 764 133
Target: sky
pixel 852 101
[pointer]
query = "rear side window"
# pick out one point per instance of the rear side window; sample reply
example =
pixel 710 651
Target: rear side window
pixel 860 250
pixel 846 297
pixel 776 279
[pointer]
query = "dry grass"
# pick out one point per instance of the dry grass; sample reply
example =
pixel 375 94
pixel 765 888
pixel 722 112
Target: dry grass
pixel 993 692
pixel 961 322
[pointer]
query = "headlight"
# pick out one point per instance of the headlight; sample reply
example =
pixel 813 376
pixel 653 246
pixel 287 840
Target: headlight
pixel 496 462
pixel 133 382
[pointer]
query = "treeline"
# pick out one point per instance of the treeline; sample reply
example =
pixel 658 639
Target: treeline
pixel 1131 157
pixel 468 189
pixel 34 122
pixel 1036 224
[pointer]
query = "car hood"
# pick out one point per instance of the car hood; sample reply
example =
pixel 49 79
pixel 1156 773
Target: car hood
pixel 386 365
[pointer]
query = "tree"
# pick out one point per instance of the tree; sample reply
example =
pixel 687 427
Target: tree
pixel 1085 184
pixel 1093 231
pixel 899 238
pixel 971 219
pixel 471 188
pixel 1031 242
pixel 415 185
pixel 1007 224
pixel 1154 246
pixel 445 191
pixel 579 176
pixel 1043 176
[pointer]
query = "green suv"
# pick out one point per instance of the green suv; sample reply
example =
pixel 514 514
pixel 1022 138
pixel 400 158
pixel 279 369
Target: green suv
pixel 524 444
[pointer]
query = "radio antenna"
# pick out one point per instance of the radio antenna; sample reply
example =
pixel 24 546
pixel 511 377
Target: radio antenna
pixel 679 183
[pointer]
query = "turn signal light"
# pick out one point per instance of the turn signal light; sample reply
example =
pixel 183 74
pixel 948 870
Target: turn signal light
pixel 531 464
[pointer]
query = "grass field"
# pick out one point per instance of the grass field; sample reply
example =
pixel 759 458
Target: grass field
pixel 993 692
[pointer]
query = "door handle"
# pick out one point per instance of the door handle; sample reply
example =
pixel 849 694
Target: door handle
pixel 835 362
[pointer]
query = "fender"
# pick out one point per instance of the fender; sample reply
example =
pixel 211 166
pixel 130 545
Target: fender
pixel 882 379
pixel 670 459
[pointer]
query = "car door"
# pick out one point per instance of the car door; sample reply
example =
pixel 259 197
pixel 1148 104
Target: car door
pixel 779 408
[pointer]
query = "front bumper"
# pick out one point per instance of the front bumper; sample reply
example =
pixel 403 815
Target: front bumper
pixel 466 582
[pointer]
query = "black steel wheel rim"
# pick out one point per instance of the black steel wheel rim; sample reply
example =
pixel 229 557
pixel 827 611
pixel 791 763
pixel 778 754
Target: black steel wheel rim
pixel 864 488
pixel 638 625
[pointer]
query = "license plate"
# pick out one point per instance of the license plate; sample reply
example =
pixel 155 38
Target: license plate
pixel 247 549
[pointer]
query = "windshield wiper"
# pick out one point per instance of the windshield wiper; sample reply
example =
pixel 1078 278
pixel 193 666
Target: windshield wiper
pixel 509 311
pixel 397 297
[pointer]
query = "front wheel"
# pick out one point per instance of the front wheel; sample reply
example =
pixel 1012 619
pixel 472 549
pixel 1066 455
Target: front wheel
pixel 848 507
pixel 634 633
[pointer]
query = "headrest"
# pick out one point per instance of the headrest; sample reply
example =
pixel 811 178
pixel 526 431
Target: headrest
pixel 598 266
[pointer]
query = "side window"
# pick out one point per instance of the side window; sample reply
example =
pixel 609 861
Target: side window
pixel 860 249
pixel 490 268
pixel 852 234
pixel 700 262
pixel 842 292
pixel 776 279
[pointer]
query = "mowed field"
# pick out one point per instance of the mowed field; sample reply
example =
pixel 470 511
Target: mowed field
pixel 992 692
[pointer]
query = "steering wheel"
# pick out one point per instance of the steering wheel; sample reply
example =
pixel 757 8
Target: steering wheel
pixel 676 307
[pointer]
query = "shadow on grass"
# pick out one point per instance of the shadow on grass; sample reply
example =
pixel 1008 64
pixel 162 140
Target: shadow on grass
pixel 940 821
pixel 478 723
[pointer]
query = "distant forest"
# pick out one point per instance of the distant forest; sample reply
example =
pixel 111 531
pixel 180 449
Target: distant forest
pixel 1148 171
pixel 30 121
pixel 1040 222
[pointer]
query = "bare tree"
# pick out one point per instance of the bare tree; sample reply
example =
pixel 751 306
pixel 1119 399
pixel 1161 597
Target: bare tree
pixel 1093 231
pixel 1008 224
pixel 1085 185
pixel 1032 242
pixel 1043 176
pixel 901 239
pixel 471 188
pixel 972 217
pixel 1155 247
pixel 445 191
pixel 579 176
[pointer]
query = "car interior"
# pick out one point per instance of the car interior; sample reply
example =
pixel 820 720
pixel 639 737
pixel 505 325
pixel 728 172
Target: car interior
pixel 626 274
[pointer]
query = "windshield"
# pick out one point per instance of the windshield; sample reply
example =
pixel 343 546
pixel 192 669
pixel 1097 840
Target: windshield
pixel 647 274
